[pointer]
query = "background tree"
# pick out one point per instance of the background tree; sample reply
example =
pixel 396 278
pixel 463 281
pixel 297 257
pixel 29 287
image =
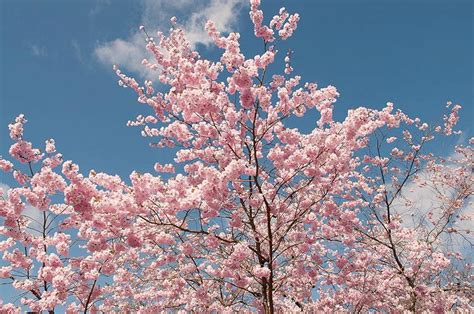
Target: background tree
pixel 259 217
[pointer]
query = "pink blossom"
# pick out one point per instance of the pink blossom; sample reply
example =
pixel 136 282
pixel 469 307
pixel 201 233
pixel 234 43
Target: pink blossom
pixel 24 152
pixel 50 146
pixel 261 272
pixel 133 240
pixel 167 168
pixel 5 271
pixel 391 139
pixel 16 129
pixel 5 165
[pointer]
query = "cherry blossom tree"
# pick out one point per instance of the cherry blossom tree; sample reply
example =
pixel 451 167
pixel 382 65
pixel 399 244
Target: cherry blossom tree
pixel 257 216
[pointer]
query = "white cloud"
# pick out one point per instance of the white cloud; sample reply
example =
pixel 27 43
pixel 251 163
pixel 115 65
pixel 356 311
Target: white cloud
pixel 126 53
pixel 222 12
pixel 192 15
pixel 418 200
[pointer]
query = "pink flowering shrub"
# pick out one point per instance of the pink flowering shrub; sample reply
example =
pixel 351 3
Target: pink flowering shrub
pixel 262 217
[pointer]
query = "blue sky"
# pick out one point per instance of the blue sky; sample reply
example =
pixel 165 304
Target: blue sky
pixel 56 60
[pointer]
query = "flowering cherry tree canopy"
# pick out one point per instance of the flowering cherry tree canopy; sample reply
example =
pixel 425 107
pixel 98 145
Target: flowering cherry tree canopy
pixel 253 216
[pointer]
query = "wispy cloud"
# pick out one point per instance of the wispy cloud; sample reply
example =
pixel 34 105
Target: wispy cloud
pixel 34 215
pixel 38 50
pixel 99 7
pixel 192 15
pixel 224 13
pixel 76 49
pixel 4 188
